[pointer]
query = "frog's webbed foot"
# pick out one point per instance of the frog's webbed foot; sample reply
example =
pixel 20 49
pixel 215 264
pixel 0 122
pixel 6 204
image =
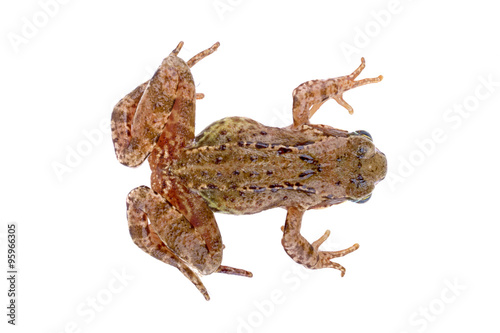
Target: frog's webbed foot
pixel 304 253
pixel 309 96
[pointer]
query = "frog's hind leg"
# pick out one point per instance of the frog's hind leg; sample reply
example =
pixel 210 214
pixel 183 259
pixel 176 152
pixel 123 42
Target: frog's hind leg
pixel 166 103
pixel 144 203
pixel 179 131
pixel 141 116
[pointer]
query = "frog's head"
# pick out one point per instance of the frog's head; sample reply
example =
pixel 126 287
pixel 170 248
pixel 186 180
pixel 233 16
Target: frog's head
pixel 369 166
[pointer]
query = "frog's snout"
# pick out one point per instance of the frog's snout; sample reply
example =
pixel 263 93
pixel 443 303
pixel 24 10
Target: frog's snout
pixel 379 165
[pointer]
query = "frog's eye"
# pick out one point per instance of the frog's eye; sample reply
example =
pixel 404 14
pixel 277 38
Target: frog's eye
pixel 363 200
pixel 363 133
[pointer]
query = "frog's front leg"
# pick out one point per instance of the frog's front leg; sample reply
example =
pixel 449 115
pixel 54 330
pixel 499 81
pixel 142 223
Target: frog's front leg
pixel 302 252
pixel 309 96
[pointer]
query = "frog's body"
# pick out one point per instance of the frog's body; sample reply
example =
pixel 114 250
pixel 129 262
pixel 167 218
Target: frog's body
pixel 236 166
pixel 242 167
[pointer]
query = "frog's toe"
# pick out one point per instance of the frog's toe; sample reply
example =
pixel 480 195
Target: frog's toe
pixel 341 253
pixel 194 278
pixel 325 257
pixel 324 262
pixel 233 271
pixel 321 240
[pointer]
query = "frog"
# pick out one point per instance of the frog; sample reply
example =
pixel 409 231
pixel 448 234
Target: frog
pixel 236 166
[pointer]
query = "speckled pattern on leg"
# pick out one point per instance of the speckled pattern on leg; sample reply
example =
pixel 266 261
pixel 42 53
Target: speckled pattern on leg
pixel 309 96
pixel 142 203
pixel 304 253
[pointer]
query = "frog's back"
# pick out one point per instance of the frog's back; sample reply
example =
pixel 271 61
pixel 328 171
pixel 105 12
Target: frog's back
pixel 240 166
pixel 246 130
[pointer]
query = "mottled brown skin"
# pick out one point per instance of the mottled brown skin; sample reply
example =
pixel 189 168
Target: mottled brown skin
pixel 236 166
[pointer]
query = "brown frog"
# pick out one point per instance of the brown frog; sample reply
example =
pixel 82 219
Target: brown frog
pixel 236 166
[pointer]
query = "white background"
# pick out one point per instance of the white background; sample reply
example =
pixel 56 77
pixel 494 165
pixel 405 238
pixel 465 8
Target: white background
pixel 428 257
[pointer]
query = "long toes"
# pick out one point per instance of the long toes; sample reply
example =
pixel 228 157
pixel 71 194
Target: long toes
pixel 177 48
pixel 358 70
pixel 233 271
pixel 324 262
pixel 207 296
pixel 341 253
pixel 343 103
pixel 191 62
pixel 320 240
pixel 194 278
pixel 362 82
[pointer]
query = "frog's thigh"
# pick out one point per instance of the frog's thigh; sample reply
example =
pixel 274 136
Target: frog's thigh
pixel 169 238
